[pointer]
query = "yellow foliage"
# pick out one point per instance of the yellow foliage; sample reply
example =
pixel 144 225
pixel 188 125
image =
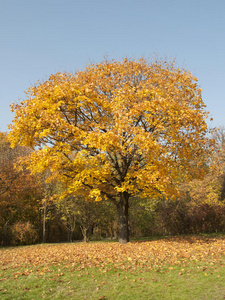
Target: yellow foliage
pixel 116 127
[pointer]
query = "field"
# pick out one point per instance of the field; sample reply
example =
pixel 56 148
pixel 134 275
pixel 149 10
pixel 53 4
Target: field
pixel 189 267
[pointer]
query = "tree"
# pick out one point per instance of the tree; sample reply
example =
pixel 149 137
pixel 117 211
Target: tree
pixel 8 157
pixel 20 192
pixel 115 130
pixel 88 215
pixel 210 189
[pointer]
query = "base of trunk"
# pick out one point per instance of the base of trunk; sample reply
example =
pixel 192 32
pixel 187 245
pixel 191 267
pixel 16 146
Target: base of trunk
pixel 122 209
pixel 123 241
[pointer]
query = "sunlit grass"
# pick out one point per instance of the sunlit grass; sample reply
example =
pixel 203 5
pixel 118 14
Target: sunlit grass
pixel 189 267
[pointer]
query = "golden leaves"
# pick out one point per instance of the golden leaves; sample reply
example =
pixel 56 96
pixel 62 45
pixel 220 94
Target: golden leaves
pixel 134 255
pixel 116 126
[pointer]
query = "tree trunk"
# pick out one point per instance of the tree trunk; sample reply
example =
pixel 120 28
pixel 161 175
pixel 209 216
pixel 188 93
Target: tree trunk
pixel 122 209
pixel 44 222
pixel 84 231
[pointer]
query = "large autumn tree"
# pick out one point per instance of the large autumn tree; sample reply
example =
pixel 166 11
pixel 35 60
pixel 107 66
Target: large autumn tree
pixel 115 130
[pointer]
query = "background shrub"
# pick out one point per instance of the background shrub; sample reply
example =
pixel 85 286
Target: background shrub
pixel 23 233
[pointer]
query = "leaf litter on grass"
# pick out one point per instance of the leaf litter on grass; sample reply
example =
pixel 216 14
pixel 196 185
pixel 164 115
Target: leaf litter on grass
pixel 77 270
pixel 155 254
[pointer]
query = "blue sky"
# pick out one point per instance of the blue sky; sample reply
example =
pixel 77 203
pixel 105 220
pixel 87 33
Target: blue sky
pixel 41 37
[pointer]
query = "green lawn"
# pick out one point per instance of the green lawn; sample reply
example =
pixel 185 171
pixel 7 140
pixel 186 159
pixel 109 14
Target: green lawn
pixel 170 268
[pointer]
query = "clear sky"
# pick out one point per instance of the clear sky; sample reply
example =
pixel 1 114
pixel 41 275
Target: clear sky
pixel 41 37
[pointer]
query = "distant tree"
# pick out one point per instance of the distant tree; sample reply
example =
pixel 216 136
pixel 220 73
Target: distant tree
pixel 219 160
pixel 69 211
pixel 8 157
pixel 115 130
pixel 20 192
pixel 76 211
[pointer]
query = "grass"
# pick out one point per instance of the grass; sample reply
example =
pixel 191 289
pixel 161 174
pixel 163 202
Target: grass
pixel 188 267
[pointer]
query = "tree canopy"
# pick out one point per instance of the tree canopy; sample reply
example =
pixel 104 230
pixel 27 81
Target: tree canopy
pixel 115 130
